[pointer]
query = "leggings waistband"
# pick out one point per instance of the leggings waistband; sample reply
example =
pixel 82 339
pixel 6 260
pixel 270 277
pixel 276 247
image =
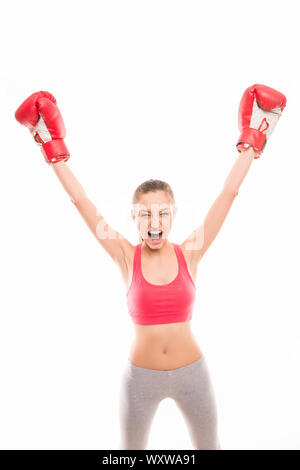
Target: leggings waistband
pixel 193 364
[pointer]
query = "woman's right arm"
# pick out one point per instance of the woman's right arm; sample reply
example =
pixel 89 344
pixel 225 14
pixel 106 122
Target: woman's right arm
pixel 111 240
pixel 40 114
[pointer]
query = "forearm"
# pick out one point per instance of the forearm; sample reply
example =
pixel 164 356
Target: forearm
pixel 239 171
pixel 69 181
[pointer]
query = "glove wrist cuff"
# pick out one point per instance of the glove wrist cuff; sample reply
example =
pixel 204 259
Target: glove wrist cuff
pixel 55 151
pixel 254 138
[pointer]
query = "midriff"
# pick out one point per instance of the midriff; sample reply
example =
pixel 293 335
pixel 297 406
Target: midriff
pixel 164 347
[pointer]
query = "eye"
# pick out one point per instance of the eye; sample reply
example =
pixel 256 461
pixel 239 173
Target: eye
pixel 144 215
pixel 165 213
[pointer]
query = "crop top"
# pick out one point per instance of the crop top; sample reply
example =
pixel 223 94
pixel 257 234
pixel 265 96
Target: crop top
pixel 153 304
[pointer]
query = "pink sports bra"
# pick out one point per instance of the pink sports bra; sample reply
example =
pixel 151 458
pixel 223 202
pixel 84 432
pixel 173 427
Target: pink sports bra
pixel 153 304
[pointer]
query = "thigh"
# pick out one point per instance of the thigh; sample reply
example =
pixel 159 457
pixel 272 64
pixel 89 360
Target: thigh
pixel 140 394
pixel 192 390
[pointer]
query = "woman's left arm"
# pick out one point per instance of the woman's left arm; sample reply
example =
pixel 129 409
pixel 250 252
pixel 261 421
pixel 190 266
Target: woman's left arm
pixel 202 237
pixel 260 108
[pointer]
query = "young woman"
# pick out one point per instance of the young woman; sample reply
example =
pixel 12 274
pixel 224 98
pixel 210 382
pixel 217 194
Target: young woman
pixel 165 359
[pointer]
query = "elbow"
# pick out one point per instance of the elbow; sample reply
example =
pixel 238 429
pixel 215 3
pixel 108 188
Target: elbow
pixel 74 201
pixel 232 192
pixel 77 199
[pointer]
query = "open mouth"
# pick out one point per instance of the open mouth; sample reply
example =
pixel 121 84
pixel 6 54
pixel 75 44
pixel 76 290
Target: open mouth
pixel 155 235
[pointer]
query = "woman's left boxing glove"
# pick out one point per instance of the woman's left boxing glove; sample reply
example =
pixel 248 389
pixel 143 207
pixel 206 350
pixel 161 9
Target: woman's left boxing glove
pixel 259 111
pixel 41 115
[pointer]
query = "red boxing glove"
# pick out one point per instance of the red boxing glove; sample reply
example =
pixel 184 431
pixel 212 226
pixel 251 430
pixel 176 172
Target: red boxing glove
pixel 259 111
pixel 41 115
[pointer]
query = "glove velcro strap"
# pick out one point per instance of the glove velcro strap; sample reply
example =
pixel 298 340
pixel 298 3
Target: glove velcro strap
pixel 252 137
pixel 55 151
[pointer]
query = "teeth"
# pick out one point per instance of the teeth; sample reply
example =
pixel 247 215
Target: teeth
pixel 155 235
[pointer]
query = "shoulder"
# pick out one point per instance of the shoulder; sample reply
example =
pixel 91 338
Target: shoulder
pixel 188 254
pixel 128 250
pixel 192 256
pixel 192 261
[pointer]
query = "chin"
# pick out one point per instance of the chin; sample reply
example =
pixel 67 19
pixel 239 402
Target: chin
pixel 155 246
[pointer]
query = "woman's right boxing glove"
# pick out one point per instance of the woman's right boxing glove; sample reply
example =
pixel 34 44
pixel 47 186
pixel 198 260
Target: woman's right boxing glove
pixel 41 115
pixel 259 111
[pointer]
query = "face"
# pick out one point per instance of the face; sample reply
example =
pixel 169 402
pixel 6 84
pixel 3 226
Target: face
pixel 154 213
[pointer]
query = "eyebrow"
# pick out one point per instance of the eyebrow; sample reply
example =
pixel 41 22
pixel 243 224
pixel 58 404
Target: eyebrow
pixel 165 209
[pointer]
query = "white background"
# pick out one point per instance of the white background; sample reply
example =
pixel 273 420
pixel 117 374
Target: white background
pixel 147 89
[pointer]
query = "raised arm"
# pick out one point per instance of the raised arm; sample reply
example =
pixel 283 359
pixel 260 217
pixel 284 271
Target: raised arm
pixel 111 240
pixel 259 111
pixel 201 238
pixel 39 112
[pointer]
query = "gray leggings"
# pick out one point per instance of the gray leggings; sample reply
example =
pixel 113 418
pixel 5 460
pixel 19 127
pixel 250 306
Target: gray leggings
pixel 190 387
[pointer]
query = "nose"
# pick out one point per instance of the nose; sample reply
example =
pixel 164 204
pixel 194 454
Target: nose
pixel 154 222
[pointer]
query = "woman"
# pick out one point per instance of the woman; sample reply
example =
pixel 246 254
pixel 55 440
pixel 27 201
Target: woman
pixel 165 359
